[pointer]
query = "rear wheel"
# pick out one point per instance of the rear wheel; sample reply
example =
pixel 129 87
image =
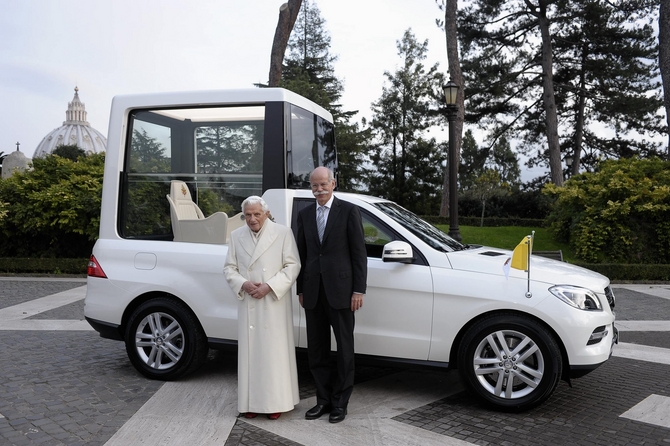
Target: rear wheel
pixel 510 361
pixel 164 340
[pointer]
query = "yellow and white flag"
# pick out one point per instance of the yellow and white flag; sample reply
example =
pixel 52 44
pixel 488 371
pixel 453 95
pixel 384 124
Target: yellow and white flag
pixel 521 253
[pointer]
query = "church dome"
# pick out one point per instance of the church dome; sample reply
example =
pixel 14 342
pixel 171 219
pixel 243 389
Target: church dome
pixel 74 131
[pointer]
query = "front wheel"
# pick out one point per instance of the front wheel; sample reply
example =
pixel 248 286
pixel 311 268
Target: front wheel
pixel 510 361
pixel 164 340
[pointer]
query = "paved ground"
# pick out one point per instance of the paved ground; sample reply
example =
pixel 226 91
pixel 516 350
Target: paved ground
pixel 61 384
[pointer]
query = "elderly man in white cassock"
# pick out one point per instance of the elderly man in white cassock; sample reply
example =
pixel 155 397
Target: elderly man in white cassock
pixel 261 266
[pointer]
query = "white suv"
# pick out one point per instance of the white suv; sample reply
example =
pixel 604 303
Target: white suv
pixel 430 300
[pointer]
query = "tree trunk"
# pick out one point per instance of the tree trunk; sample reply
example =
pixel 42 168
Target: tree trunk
pixel 481 222
pixel 454 61
pixel 664 58
pixel 579 128
pixel 288 13
pixel 548 97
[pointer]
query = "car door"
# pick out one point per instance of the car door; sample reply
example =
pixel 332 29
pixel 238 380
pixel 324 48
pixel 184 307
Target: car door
pixel 396 318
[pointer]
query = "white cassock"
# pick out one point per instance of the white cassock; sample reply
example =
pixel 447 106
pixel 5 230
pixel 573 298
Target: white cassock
pixel 267 376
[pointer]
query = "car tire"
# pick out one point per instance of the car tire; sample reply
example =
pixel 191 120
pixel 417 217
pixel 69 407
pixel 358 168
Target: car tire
pixel 503 346
pixel 164 340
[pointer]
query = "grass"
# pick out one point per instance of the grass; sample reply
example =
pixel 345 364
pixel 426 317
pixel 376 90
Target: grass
pixel 507 237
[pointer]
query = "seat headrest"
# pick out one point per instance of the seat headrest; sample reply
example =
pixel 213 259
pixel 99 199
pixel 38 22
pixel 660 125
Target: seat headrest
pixel 179 191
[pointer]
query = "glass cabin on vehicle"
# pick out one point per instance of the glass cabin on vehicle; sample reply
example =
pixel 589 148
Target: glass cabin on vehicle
pixel 234 144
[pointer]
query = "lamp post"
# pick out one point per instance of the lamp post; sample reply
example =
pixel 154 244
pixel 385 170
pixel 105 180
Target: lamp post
pixel 450 92
pixel 568 163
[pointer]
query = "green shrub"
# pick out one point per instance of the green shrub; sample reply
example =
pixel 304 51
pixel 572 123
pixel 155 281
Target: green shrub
pixel 52 210
pixel 620 214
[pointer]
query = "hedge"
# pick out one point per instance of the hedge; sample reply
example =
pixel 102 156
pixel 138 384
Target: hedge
pixel 617 272
pixel 488 221
pixel 12 265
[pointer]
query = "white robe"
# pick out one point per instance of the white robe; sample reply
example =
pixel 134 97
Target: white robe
pixel 267 376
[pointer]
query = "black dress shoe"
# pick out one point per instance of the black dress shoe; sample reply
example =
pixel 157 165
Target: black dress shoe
pixel 316 411
pixel 337 414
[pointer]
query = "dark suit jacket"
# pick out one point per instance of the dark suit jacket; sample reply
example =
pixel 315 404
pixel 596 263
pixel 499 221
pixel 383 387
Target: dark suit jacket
pixel 340 260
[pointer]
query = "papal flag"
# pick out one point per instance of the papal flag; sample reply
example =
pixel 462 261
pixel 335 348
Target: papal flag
pixel 522 253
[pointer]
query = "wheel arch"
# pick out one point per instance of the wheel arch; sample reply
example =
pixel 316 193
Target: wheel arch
pixel 456 345
pixel 145 297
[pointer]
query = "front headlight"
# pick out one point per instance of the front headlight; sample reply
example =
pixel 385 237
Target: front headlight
pixel 578 297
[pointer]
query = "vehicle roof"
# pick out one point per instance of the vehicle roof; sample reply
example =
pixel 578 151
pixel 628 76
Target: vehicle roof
pixel 348 196
pixel 246 96
pixel 353 196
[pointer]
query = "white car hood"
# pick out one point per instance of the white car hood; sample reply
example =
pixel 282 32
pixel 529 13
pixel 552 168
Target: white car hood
pixel 489 260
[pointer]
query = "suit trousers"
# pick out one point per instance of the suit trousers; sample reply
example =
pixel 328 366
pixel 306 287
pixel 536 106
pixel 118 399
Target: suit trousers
pixel 331 388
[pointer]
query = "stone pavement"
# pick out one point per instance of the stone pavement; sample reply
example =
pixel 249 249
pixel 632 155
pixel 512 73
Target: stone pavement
pixel 61 384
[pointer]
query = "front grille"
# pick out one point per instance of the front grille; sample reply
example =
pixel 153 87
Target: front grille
pixel 610 297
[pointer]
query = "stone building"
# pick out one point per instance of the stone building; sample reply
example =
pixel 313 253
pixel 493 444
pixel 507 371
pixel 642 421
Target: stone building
pixel 13 162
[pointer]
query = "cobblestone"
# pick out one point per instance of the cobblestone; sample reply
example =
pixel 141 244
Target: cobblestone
pixel 14 292
pixel 74 388
pixel 66 386
pixel 568 417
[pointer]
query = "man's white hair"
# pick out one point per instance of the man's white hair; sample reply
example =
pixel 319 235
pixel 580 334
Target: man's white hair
pixel 255 199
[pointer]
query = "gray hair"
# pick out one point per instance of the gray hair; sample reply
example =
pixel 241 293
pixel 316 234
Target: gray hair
pixel 255 199
pixel 331 175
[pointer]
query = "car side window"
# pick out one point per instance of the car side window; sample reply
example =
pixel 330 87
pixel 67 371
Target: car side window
pixel 376 235
pixel 376 232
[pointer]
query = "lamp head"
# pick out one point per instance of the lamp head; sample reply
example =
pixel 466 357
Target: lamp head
pixel 450 92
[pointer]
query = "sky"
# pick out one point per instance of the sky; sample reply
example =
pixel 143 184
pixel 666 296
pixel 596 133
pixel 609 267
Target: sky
pixel 112 47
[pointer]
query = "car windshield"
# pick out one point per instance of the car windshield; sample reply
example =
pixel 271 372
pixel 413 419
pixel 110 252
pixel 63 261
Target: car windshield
pixel 428 233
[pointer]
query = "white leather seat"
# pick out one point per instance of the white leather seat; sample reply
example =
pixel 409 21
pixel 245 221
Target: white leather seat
pixel 234 222
pixel 188 222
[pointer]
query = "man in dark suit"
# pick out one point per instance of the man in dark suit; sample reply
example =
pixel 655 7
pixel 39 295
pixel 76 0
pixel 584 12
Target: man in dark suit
pixel 331 286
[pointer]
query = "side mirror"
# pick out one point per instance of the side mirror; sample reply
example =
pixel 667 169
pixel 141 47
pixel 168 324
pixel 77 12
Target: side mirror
pixel 399 252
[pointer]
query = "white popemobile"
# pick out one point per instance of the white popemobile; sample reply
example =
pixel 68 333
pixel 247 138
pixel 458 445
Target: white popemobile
pixel 156 281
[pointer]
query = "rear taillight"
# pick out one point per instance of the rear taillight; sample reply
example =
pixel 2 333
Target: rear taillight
pixel 94 269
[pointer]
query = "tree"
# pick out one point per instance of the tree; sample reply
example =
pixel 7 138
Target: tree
pixel 504 161
pixel 487 185
pixel 516 53
pixel 308 70
pixel 601 50
pixel 288 12
pixel 664 59
pixel 69 151
pixel 148 154
pixel 229 148
pixel 352 144
pixel 473 160
pixel 405 110
pixel 52 210
pixel 501 41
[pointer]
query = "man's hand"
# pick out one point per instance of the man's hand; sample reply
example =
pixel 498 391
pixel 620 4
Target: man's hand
pixel 262 289
pixel 257 290
pixel 300 300
pixel 249 286
pixel 356 301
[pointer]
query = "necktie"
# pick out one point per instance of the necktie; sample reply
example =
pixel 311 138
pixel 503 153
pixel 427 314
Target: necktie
pixel 321 221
